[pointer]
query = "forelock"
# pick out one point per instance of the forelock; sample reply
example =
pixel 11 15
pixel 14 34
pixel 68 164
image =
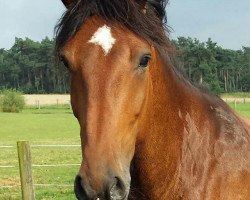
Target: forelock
pixel 148 23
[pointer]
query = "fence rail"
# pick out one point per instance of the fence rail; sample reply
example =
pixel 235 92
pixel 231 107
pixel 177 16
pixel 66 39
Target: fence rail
pixel 29 194
pixel 55 165
pixel 37 185
pixel 6 146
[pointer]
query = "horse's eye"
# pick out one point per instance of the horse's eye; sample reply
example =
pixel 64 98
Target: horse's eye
pixel 64 61
pixel 144 60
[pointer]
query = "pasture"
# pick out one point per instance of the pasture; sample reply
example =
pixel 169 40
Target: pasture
pixel 50 125
pixel 242 108
pixel 53 125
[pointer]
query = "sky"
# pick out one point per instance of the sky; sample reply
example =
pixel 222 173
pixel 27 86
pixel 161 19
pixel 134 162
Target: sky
pixel 227 22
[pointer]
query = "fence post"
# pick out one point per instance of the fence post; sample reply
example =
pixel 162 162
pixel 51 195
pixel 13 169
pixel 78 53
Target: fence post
pixel 235 104
pixel 24 158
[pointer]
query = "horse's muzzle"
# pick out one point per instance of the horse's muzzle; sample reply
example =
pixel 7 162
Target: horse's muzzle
pixel 114 190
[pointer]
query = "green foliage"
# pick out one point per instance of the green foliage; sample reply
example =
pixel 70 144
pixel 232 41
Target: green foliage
pixel 11 101
pixel 30 66
pixel 220 70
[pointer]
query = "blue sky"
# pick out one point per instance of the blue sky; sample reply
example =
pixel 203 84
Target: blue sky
pixel 227 22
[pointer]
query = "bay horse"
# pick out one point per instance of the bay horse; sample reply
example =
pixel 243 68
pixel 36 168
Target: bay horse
pixel 146 131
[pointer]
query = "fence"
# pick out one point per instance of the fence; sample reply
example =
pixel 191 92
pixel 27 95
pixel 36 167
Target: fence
pixel 42 99
pixel 25 168
pixel 236 101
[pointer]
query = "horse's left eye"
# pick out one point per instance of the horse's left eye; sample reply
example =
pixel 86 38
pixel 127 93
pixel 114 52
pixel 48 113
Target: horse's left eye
pixel 145 60
pixel 64 61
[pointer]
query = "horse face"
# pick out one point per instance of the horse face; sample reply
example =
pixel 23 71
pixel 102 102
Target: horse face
pixel 110 84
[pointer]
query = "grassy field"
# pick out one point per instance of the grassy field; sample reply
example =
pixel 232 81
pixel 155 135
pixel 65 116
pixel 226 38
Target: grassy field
pixel 54 125
pixel 241 108
pixel 51 125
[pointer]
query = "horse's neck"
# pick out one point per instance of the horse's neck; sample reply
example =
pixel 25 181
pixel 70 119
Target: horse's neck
pixel 182 126
pixel 158 156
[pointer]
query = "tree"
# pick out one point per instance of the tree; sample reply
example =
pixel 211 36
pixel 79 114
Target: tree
pixel 220 70
pixel 29 66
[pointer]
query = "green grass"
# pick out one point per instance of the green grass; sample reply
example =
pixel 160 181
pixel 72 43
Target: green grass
pixel 242 108
pixel 44 126
pixel 50 125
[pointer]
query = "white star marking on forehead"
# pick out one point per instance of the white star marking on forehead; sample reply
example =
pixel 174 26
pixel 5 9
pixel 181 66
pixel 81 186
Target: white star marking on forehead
pixel 104 38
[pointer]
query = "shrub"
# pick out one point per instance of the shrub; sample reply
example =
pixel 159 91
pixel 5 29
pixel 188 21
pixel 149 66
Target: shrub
pixel 11 101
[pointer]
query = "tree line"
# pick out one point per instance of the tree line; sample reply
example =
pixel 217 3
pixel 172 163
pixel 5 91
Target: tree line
pixel 206 63
pixel 30 66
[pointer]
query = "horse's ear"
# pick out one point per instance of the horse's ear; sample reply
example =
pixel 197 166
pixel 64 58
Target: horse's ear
pixel 68 3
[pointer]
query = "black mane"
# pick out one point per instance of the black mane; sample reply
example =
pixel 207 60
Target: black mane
pixel 145 18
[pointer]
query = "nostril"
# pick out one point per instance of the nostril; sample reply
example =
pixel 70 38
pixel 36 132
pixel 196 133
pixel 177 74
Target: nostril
pixel 78 189
pixel 117 191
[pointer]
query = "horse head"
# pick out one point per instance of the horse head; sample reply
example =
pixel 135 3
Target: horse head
pixel 109 55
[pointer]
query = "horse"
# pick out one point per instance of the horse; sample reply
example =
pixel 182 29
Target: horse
pixel 146 131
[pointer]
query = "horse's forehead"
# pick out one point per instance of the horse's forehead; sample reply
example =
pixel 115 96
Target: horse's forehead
pixel 104 38
pixel 99 41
